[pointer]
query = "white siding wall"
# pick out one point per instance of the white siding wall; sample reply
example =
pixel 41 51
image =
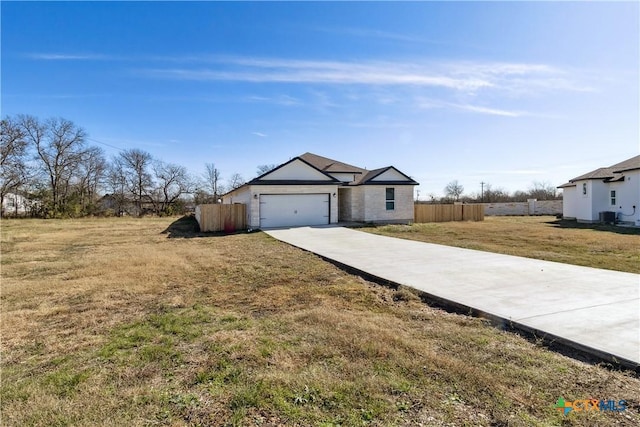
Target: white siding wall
pixel 375 203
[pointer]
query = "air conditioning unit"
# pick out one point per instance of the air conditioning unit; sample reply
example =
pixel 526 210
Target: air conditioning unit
pixel 607 217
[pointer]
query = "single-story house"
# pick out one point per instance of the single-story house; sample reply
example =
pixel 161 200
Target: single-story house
pixel 315 190
pixel 614 189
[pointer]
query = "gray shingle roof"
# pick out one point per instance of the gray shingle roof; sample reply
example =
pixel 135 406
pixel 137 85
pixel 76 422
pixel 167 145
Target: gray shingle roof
pixel 627 165
pixel 329 165
pixel 611 173
pixel 334 166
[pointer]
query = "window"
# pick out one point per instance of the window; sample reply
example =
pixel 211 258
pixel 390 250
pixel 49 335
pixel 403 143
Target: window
pixel 613 197
pixel 390 198
pixel 584 188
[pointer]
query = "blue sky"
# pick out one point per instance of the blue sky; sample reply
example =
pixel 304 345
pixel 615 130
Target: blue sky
pixel 502 92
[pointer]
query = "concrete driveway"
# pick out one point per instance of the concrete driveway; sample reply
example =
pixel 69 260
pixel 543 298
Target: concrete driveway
pixel 593 310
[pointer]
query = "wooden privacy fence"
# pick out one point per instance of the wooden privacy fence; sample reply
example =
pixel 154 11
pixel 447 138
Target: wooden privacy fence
pixel 221 217
pixel 444 213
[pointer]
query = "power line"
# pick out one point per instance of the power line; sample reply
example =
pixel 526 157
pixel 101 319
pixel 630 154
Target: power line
pixel 105 144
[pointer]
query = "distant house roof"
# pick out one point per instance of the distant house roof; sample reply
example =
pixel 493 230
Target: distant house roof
pixel 611 173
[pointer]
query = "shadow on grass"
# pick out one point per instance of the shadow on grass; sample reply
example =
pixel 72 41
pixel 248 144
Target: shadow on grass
pixel 570 224
pixel 187 228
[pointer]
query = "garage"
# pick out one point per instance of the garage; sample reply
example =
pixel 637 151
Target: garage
pixel 290 210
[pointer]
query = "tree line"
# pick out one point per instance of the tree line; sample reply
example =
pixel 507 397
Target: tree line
pixel 454 192
pixel 50 165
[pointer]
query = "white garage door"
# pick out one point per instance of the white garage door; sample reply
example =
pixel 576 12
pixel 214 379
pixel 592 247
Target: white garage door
pixel 289 210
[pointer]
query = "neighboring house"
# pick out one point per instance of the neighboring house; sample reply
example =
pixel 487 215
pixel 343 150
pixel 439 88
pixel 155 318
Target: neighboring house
pixel 124 205
pixel 614 189
pixel 14 205
pixel 314 190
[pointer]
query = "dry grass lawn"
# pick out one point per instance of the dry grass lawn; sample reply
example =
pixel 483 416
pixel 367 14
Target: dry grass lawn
pixel 110 322
pixel 540 237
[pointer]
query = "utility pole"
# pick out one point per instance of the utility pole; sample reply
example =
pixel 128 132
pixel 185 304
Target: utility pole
pixel 482 191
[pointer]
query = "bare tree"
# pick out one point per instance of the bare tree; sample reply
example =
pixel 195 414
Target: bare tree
pixel 13 158
pixel 262 169
pixel 60 147
pixel 116 183
pixel 134 165
pixel 236 181
pixel 542 191
pixel 91 173
pixel 173 181
pixel 212 179
pixel 454 190
pixel 495 194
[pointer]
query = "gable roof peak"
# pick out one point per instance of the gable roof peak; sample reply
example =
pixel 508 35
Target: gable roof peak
pixel 326 164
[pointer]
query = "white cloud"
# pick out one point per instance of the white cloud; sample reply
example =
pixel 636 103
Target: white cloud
pixel 349 74
pixel 284 100
pixel 260 134
pixel 463 76
pixel 467 77
pixel 69 57
pixel 490 111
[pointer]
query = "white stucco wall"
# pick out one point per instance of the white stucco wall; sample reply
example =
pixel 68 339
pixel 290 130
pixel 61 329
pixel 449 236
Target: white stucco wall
pixel 627 196
pixel 584 204
pixel 600 199
pixel 374 201
pixel 569 202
